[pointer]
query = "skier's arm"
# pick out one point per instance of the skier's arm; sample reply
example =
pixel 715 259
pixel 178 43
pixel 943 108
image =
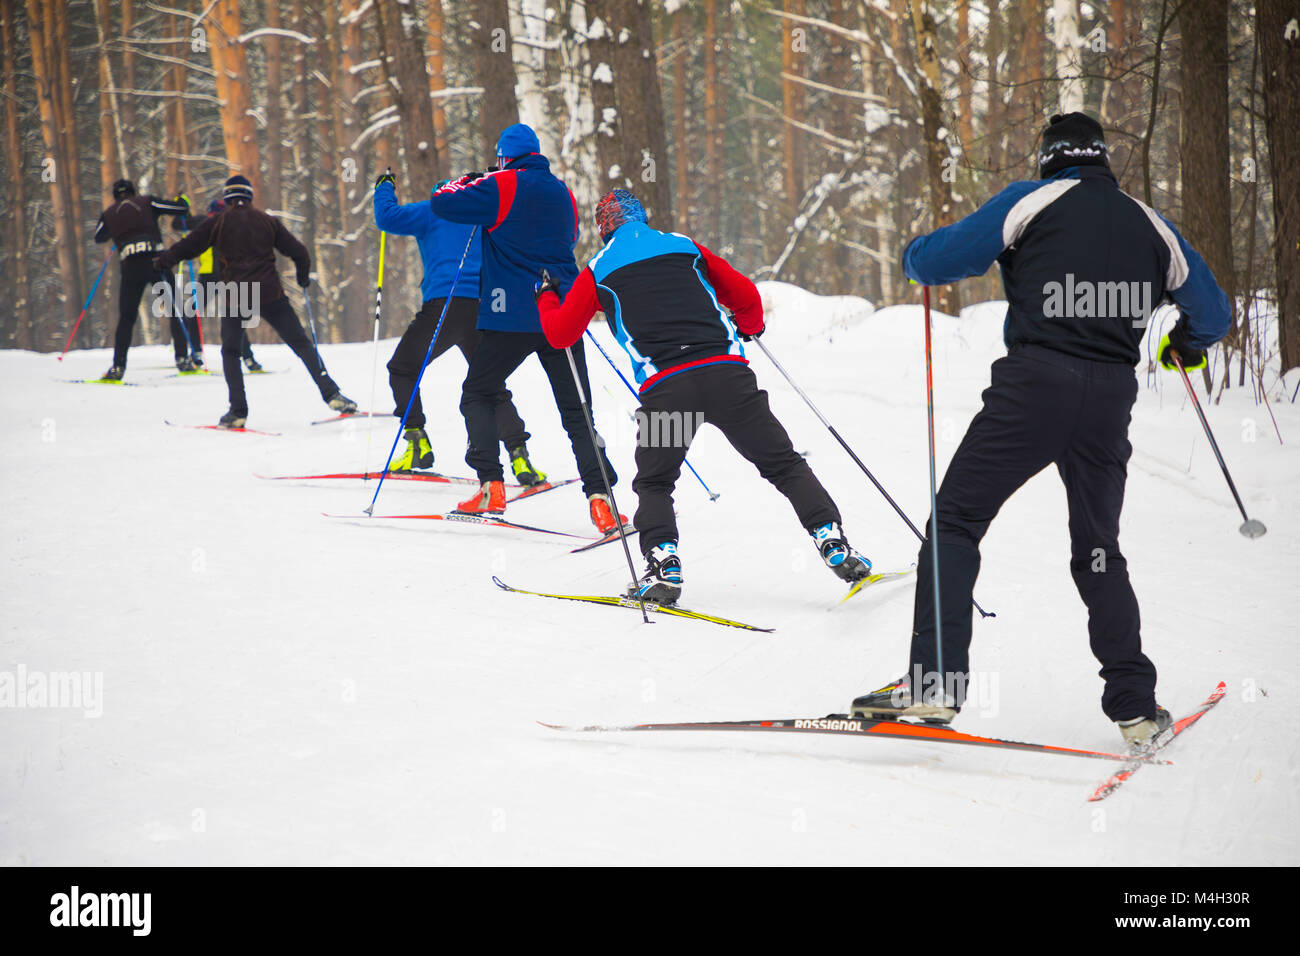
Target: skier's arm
pixel 178 207
pixel 564 322
pixel 190 247
pixel 479 201
pixel 1206 314
pixel 970 246
pixel 288 245
pixel 101 231
pixel 412 219
pixel 735 291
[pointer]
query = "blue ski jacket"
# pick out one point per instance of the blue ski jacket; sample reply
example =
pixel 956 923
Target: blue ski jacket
pixel 529 222
pixel 441 244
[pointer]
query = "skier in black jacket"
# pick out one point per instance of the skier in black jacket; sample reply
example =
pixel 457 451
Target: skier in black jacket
pixel 132 225
pixel 1083 266
pixel 245 241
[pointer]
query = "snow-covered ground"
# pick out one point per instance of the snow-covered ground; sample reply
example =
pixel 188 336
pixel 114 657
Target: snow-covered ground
pixel 279 687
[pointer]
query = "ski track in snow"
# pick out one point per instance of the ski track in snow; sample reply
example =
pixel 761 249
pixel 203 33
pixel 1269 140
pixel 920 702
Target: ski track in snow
pixel 283 688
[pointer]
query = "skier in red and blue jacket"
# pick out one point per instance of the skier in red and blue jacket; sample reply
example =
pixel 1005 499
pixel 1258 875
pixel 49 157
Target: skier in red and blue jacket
pixel 529 223
pixel 664 296
pixel 442 247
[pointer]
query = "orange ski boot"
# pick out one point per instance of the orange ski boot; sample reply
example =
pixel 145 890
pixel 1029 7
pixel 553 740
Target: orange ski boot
pixel 490 499
pixel 602 515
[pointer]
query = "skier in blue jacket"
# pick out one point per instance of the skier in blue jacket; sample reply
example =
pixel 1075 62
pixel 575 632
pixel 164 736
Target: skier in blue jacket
pixel 1083 265
pixel 528 221
pixel 442 245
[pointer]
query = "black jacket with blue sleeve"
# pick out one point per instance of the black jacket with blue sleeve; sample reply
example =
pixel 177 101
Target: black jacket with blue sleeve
pixel 1083 264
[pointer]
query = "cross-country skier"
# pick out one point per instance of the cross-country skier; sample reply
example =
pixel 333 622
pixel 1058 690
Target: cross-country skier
pixel 131 222
pixel 1062 396
pixel 246 240
pixel 208 273
pixel 529 222
pixel 661 294
pixel 441 245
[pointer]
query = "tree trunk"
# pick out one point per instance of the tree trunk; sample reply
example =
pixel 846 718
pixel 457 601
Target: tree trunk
pixel 936 149
pixel 231 65
pixel 714 121
pixel 1207 206
pixel 274 150
pixel 1280 56
pixel 40 23
pixel 681 132
pixel 965 124
pixel 434 26
pixel 493 50
pixel 792 106
pixel 404 65
pixel 16 265
pixel 1068 66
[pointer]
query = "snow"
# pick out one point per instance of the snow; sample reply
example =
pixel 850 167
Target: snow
pixel 279 687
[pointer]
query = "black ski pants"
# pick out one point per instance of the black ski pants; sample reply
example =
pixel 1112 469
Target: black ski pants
pixel 281 317
pixel 725 395
pixel 138 276
pixel 1042 408
pixel 495 358
pixel 458 331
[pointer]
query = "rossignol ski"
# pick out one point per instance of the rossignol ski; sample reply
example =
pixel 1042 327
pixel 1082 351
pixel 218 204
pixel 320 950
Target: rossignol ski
pixel 635 605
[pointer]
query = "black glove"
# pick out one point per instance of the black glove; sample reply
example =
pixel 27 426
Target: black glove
pixel 388 177
pixel 303 281
pixel 750 336
pixel 1176 341
pixel 156 262
pixel 902 257
pixel 470 177
pixel 546 285
pixel 182 200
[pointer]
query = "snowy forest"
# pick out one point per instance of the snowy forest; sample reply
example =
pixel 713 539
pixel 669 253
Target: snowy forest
pixel 806 140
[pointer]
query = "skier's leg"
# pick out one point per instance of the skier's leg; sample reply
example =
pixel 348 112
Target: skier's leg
pixel 556 365
pixel 660 451
pixel 404 366
pixel 1094 470
pixel 136 277
pixel 495 358
pixel 284 320
pixel 1016 434
pixel 232 332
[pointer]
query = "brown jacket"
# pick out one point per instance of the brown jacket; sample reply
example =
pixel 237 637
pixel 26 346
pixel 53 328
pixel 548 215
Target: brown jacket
pixel 244 241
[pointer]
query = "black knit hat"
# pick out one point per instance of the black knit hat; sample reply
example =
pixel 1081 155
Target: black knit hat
pixel 1075 139
pixel 237 187
pixel 123 188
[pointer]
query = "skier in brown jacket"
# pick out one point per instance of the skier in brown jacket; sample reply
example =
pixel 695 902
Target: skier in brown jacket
pixel 245 241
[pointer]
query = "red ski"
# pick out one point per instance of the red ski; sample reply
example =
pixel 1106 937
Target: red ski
pixel 219 428
pixel 375 475
pixel 346 415
pixel 606 539
pixel 1161 741
pixel 464 517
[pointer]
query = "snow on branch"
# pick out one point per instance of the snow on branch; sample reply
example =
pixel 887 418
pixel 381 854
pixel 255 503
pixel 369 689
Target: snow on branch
pixel 275 32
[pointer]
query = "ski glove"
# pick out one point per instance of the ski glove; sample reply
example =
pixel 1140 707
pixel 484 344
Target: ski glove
pixel 546 285
pixel 304 281
pixel 388 177
pixel 750 336
pixel 1175 341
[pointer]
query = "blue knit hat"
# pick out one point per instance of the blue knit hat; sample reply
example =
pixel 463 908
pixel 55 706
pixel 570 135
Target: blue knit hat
pixel 518 140
pixel 237 187
pixel 616 207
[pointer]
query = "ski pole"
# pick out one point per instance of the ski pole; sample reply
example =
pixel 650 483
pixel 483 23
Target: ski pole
pixel 713 495
pixel 178 307
pixel 1250 527
pixel 374 359
pixel 934 499
pixel 856 460
pixel 604 476
pixel 428 357
pixel 198 305
pixel 109 258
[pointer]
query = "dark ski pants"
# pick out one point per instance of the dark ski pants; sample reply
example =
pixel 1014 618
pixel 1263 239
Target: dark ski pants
pixel 281 317
pixel 138 276
pixel 1042 408
pixel 458 331
pixel 727 396
pixel 495 358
